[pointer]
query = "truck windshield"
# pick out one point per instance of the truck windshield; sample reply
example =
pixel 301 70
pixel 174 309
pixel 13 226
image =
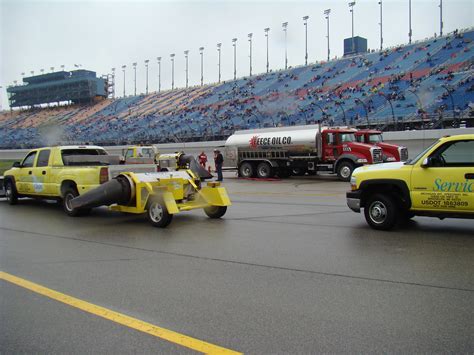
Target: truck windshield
pixel 419 156
pixel 347 137
pixel 375 138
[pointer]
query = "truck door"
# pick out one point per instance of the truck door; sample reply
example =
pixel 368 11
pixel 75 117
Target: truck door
pixel 24 178
pixel 446 181
pixel 41 184
pixel 330 146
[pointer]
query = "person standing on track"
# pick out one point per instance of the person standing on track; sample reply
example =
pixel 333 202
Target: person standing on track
pixel 218 161
pixel 202 159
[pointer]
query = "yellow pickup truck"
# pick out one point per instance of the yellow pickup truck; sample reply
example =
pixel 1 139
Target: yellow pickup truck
pixel 439 182
pixel 62 173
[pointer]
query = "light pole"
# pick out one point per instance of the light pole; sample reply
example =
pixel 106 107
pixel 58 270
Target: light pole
pixel 440 18
pixel 284 25
pixel 159 73
pixel 52 69
pixel 172 70
pixel 32 73
pixel 327 12
pixel 250 51
pixel 135 78
pixel 409 21
pixel 41 71
pixel 113 83
pixel 381 36
pixel 146 66
pixel 305 19
pixel 123 69
pixel 351 7
pixel 266 35
pixel 234 44
pixel 219 45
pixel 201 52
pixel 358 101
pixel 62 67
pixel 186 54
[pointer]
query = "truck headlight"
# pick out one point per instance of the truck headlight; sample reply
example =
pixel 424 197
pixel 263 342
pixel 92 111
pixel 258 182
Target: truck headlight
pixel 362 160
pixel 353 182
pixel 391 159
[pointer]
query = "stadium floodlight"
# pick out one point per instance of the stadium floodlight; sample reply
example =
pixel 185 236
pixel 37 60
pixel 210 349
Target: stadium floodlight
pixel 266 35
pixel 351 7
pixel 123 69
pixel 135 77
pixel 234 44
pixel 219 45
pixel 284 25
pixel 381 36
pixel 159 73
pixel 32 72
pixel 186 55
pixel 52 69
pixel 146 66
pixel 409 21
pixel 201 52
pixel 440 18
pixel 305 19
pixel 42 71
pixel 62 67
pixel 250 35
pixel 23 74
pixel 327 12
pixel 172 70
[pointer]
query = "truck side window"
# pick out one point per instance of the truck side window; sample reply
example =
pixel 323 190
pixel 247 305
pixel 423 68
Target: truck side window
pixel 459 153
pixel 330 138
pixel 129 153
pixel 43 158
pixel 29 160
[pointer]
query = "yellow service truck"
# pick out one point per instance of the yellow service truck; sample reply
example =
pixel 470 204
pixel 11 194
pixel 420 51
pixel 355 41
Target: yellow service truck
pixel 83 177
pixel 439 182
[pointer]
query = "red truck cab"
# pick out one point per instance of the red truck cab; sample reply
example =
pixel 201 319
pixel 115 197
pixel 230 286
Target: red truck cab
pixel 391 152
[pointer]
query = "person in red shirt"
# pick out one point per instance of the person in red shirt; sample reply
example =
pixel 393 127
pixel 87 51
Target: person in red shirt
pixel 202 159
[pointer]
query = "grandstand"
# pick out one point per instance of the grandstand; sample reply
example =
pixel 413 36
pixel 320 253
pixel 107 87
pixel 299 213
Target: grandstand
pixel 425 84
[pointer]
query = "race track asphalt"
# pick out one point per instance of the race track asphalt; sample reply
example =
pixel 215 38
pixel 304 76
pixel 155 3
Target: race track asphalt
pixel 289 269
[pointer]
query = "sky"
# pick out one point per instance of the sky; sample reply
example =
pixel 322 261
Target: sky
pixel 100 35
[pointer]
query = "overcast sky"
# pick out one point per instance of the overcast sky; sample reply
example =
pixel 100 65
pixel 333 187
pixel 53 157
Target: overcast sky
pixel 100 35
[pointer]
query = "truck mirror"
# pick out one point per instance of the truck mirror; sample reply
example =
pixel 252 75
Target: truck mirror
pixel 16 164
pixel 427 162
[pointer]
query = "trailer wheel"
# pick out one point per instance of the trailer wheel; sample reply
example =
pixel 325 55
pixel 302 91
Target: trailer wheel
pixel 344 170
pixel 69 194
pixel 264 170
pixel 10 193
pixel 246 170
pixel 381 212
pixel 158 213
pixel 215 211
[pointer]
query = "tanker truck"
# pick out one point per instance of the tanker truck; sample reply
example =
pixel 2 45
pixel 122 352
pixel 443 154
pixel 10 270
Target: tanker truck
pixel 298 150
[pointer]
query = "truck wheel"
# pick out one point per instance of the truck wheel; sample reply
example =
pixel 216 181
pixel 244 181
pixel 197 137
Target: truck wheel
pixel 69 194
pixel 381 212
pixel 344 170
pixel 215 211
pixel 158 213
pixel 10 193
pixel 246 170
pixel 264 170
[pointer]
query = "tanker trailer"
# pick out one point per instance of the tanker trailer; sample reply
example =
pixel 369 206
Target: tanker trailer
pixel 298 150
pixel 160 194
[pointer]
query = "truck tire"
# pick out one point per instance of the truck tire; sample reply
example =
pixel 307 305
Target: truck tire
pixel 246 170
pixel 69 194
pixel 344 170
pixel 215 211
pixel 264 170
pixel 381 212
pixel 10 193
pixel 158 214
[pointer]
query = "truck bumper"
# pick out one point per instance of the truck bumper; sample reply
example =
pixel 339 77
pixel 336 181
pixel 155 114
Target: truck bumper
pixel 353 200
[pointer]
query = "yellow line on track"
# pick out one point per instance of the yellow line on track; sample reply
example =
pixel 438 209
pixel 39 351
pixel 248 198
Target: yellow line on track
pixel 119 318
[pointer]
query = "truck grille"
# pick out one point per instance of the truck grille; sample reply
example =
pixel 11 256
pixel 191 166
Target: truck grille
pixel 403 154
pixel 377 155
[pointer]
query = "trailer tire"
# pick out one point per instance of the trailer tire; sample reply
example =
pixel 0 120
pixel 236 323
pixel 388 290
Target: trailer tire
pixel 246 170
pixel 215 212
pixel 69 194
pixel 10 193
pixel 381 212
pixel 264 170
pixel 344 170
pixel 158 214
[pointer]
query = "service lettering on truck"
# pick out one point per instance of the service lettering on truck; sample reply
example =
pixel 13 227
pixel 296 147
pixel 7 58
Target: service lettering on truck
pixel 450 186
pixel 256 141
